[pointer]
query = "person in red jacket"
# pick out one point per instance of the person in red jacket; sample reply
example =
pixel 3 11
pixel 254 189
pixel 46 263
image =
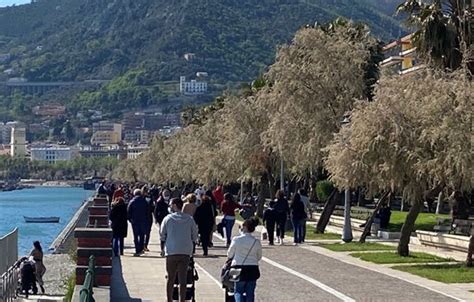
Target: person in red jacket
pixel 218 195
pixel 119 193
pixel 228 208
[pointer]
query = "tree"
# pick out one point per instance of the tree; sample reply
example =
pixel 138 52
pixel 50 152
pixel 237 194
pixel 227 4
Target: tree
pixel 415 136
pixel 444 31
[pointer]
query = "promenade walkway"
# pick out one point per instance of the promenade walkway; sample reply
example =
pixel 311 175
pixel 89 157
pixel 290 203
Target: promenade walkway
pixel 143 278
pixel 304 273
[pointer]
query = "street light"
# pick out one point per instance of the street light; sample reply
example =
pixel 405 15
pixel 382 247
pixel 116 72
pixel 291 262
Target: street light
pixel 347 228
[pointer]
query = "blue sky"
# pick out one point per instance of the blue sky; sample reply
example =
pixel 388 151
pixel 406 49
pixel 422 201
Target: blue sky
pixel 10 2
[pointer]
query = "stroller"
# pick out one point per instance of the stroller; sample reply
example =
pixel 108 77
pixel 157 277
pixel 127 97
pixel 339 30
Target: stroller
pixel 191 279
pixel 26 276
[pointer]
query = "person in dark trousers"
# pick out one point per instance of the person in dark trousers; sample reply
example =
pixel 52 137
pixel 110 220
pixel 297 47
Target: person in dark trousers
pixel 118 217
pixel 228 208
pixel 178 235
pixel 102 189
pixel 307 208
pixel 298 215
pixel 269 219
pixel 215 211
pixel 138 211
pixel 282 209
pixel 204 218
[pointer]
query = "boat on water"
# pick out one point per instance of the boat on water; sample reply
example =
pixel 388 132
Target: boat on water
pixel 52 219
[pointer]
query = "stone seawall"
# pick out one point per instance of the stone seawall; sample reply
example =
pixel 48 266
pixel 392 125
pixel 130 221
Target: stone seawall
pixel 65 240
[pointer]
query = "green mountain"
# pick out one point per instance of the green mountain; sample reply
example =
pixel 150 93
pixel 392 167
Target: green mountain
pixel 232 40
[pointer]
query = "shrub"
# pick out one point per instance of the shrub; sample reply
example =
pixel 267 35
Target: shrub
pixel 324 188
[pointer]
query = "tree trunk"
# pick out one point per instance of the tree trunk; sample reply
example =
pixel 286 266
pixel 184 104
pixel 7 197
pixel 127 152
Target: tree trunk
pixel 360 197
pixel 470 252
pixel 369 222
pixel 261 195
pixel 408 227
pixel 327 211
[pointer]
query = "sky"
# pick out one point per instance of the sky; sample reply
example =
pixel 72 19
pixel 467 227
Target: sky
pixel 11 2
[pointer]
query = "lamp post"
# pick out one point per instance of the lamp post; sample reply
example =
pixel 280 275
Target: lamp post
pixel 347 229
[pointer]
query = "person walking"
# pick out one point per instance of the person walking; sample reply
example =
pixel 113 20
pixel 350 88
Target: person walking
pixel 282 209
pixel 178 234
pixel 228 209
pixel 40 269
pixel 269 220
pixel 213 202
pixel 149 218
pixel 119 224
pixel 218 194
pixel 204 218
pixel 161 206
pixel 307 209
pixel 118 193
pixel 245 252
pixel 190 206
pixel 137 213
pixel 298 214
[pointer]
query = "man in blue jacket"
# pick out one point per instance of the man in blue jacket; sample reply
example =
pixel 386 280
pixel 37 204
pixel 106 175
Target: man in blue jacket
pixel 138 209
pixel 178 234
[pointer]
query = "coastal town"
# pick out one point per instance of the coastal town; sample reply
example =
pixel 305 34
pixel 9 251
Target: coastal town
pixel 236 151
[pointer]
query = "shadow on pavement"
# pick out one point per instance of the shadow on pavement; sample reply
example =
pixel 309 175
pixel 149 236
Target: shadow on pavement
pixel 118 288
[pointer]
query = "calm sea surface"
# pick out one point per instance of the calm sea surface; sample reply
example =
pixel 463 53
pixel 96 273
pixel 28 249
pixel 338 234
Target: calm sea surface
pixel 40 201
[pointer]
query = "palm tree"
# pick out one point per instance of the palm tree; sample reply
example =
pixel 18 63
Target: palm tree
pixel 444 30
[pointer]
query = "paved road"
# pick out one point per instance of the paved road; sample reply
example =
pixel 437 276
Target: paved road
pixel 288 274
pixel 292 273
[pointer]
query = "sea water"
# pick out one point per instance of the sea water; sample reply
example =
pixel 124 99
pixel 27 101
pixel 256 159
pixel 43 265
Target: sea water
pixel 62 202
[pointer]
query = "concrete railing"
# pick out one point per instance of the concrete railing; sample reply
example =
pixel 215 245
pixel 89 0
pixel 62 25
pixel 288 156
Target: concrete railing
pixel 447 241
pixel 8 250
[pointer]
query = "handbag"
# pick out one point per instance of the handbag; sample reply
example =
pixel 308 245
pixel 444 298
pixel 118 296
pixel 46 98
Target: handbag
pixel 264 235
pixel 232 274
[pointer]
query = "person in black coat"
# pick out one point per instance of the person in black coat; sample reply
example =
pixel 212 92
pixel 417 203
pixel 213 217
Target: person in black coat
pixel 161 206
pixel 204 218
pixel 298 215
pixel 282 209
pixel 269 219
pixel 118 217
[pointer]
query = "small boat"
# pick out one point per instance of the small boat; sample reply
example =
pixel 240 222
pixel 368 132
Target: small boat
pixel 41 219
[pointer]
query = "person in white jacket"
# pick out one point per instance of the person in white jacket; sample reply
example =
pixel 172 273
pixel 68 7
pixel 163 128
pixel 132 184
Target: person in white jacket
pixel 246 251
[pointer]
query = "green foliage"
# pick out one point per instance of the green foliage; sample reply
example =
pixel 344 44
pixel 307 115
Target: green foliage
pixel 71 284
pixel 356 247
pixel 324 189
pixel 391 257
pixel 78 168
pixel 424 221
pixel 232 40
pixel 447 273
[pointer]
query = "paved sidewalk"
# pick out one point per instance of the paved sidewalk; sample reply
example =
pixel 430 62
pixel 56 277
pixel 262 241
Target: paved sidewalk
pixel 143 278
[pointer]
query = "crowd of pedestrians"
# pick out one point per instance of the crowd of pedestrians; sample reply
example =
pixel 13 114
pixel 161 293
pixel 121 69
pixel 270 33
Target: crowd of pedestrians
pixel 187 219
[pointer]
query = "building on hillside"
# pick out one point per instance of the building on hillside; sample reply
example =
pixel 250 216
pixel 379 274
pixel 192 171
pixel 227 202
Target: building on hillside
pixel 201 74
pixel 18 140
pixel 53 154
pixel 400 56
pixel 5 133
pixel 22 85
pixel 133 152
pixel 189 56
pixel 105 138
pixel 4 149
pixel 114 151
pixel 137 136
pixel 49 110
pixel 192 87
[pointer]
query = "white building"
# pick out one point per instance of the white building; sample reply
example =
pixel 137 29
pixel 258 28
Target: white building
pixel 53 154
pixel 18 140
pixel 133 152
pixel 5 133
pixel 107 126
pixel 192 87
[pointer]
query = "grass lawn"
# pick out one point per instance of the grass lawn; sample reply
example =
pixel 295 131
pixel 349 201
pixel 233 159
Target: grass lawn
pixel 456 273
pixel 356 246
pixel 425 221
pixel 391 257
pixel 311 235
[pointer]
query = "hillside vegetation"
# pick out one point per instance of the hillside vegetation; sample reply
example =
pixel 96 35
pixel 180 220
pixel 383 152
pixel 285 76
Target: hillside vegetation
pixel 99 39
